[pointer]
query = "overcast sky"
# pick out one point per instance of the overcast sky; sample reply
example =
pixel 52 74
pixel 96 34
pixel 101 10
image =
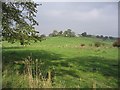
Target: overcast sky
pixel 100 18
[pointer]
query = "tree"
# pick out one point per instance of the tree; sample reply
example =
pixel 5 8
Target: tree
pixel 69 33
pixel 97 36
pixel 84 34
pixel 54 33
pixel 110 37
pixel 18 21
pixel 105 38
pixel 65 34
pixel 42 36
pixel 60 33
pixel 101 36
pixel 50 35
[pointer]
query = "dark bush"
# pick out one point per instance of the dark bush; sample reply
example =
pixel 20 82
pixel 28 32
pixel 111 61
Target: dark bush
pixel 117 43
pixel 84 34
pixel 97 44
pixel 82 45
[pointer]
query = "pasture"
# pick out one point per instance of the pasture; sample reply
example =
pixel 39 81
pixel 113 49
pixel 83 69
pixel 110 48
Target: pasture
pixel 74 66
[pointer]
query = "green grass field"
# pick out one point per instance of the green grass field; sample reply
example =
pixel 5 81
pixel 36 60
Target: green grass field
pixel 74 66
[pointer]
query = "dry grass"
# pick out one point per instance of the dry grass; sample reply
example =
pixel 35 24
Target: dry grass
pixel 35 80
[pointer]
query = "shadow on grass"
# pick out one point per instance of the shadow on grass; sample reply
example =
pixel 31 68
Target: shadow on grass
pixel 14 47
pixel 104 66
pixel 9 57
pixel 37 54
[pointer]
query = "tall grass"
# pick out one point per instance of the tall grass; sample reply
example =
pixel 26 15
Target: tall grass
pixel 31 74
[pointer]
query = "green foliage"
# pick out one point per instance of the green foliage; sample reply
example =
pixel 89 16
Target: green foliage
pixel 60 33
pixel 105 38
pixel 84 34
pixel 69 33
pixel 54 33
pixel 18 21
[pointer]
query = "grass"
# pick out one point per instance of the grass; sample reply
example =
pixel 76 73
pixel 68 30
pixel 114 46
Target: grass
pixel 74 66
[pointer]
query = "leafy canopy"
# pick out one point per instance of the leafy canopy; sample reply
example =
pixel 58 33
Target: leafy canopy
pixel 18 21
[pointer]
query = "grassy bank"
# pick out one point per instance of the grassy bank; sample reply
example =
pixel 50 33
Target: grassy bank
pixel 73 65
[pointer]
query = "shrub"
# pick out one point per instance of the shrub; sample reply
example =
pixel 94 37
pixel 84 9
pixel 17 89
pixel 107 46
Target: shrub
pixel 116 43
pixel 97 44
pixel 82 45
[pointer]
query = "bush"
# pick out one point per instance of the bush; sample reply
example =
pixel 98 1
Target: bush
pixel 97 44
pixel 116 44
pixel 84 34
pixel 82 45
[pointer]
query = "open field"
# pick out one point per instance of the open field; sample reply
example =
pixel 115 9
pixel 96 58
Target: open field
pixel 75 66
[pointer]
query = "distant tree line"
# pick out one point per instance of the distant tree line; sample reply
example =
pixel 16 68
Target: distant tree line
pixel 105 37
pixel 67 33
pixel 70 33
pixel 84 34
